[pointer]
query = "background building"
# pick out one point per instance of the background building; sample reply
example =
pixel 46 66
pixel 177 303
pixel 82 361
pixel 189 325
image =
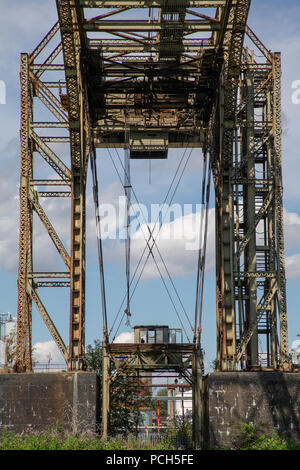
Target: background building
pixel 8 331
pixel 295 353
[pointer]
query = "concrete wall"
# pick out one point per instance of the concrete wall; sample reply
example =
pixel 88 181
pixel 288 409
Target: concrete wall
pixel 36 401
pixel 268 400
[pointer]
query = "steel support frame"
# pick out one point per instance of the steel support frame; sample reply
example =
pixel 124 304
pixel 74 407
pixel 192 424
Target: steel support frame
pixel 31 143
pixel 251 283
pixel 186 359
pixel 73 119
pixel 224 124
pixel 236 150
pixel 23 348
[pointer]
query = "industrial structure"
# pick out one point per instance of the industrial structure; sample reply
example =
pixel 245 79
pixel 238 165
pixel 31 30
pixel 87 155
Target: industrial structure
pixel 8 333
pixel 146 76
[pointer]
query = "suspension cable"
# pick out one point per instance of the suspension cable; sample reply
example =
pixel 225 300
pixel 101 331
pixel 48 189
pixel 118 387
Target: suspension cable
pixel 151 232
pixel 202 248
pixel 198 282
pixel 202 239
pixel 127 189
pixel 99 240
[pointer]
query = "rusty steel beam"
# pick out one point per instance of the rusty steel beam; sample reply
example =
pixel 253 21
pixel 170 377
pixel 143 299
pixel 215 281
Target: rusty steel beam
pixel 23 347
pixel 67 19
pixel 189 26
pixel 150 3
pixel 226 315
pixel 34 146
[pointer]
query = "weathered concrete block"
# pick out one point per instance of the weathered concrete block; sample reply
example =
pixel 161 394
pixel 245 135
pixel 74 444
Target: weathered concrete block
pixel 37 401
pixel 268 400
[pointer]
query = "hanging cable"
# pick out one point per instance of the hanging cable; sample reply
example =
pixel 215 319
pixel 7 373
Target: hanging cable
pixel 198 282
pixel 99 240
pixel 202 246
pixel 127 189
pixel 151 232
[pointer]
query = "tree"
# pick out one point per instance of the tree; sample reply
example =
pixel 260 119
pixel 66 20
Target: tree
pixel 124 394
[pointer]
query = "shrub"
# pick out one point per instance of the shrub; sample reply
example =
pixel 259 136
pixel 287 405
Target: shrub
pixel 250 437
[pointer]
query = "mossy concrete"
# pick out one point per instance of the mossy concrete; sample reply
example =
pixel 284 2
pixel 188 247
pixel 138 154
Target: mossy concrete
pixel 38 401
pixel 268 400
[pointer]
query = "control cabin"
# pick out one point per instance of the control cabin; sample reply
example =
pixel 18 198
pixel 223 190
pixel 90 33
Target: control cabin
pixel 157 334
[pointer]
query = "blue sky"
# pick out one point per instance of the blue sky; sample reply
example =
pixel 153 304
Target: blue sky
pixel 22 26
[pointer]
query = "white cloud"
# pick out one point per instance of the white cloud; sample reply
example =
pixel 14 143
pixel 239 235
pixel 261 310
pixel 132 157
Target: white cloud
pixel 292 244
pixel 125 337
pixel 47 352
pixel 296 345
pixel 292 228
pixel 109 209
pixel 292 264
pixel 177 243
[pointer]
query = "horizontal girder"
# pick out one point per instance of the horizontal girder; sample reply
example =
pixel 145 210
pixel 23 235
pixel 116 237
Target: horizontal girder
pixel 115 45
pixel 108 26
pixel 151 3
pixel 142 63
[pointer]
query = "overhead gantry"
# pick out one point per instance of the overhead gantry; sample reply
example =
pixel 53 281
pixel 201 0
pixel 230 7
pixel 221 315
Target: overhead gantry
pixel 149 75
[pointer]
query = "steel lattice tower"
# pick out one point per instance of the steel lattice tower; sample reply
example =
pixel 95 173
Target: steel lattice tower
pixel 187 76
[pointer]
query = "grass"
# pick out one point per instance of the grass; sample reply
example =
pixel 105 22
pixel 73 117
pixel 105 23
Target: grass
pixel 54 439
pixel 247 438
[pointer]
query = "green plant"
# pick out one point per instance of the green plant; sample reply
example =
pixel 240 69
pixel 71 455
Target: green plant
pixel 56 439
pixel 124 391
pixel 180 431
pixel 249 437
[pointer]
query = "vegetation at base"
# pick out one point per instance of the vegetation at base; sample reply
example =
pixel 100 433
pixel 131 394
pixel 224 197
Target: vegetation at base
pixel 247 438
pixel 180 430
pixel 124 394
pixel 250 437
pixel 55 439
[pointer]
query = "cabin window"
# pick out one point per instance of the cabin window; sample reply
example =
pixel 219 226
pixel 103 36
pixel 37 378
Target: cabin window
pixel 151 336
pixel 143 336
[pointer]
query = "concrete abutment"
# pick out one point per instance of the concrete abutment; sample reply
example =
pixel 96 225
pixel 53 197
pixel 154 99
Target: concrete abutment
pixel 268 400
pixel 38 401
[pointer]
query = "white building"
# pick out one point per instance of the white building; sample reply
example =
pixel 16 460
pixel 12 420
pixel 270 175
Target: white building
pixel 8 338
pixel 185 406
pixel 180 401
pixel 295 353
pixel 2 354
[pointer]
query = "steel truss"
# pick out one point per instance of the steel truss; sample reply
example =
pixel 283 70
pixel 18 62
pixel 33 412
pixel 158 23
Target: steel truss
pixel 207 90
pixel 136 359
pixel 251 283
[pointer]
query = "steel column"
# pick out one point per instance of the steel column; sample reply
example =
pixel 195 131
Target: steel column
pixel 198 418
pixel 105 390
pixel 249 220
pixel 23 352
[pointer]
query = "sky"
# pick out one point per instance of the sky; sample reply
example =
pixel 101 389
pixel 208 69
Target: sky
pixel 22 25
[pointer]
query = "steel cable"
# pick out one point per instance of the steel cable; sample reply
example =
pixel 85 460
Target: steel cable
pixel 151 234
